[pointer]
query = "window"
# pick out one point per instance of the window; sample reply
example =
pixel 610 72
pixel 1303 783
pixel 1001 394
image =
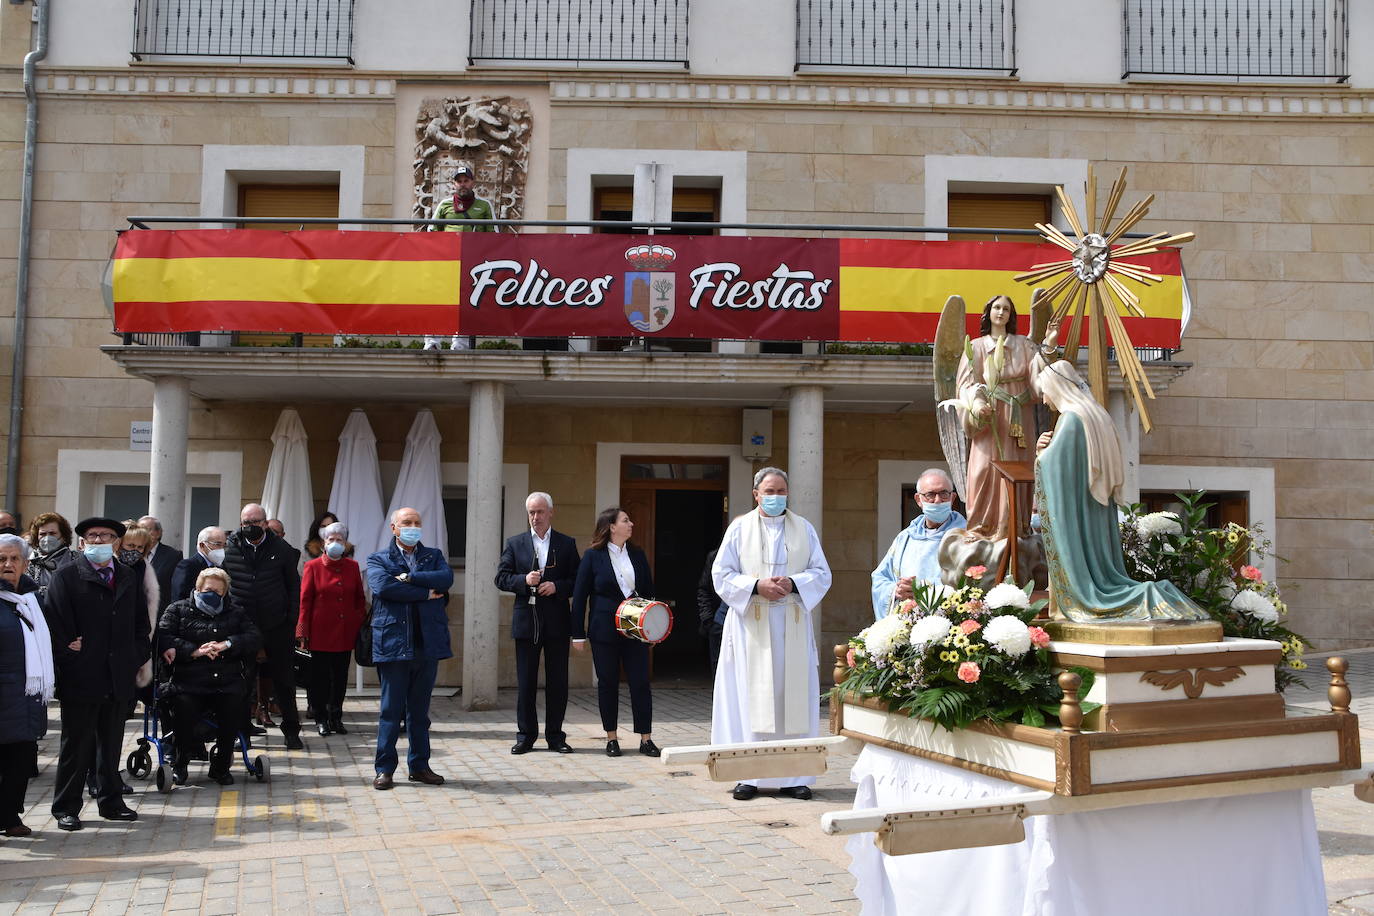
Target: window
pixel 130 500
pixel 583 31
pixel 456 520
pixel 266 30
pixel 974 189
pixel 997 211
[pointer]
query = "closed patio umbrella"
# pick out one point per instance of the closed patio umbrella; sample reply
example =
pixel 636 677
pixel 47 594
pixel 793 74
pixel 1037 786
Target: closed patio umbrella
pixel 356 496
pixel 420 484
pixel 287 493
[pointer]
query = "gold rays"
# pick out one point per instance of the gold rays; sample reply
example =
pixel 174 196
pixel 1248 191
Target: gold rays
pixel 1089 285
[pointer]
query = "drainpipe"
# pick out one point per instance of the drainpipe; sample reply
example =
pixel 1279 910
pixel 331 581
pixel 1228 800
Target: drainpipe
pixel 21 283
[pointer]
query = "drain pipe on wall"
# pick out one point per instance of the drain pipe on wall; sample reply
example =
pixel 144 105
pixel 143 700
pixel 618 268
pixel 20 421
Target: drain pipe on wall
pixel 21 283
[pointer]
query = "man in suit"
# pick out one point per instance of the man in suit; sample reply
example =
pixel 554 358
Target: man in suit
pixel 210 545
pixel 163 558
pixel 99 624
pixel 539 567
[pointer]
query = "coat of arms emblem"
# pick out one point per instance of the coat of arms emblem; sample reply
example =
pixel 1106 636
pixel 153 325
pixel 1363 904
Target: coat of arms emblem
pixel 649 289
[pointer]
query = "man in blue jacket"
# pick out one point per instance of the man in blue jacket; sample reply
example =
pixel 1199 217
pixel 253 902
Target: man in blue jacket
pixel 410 584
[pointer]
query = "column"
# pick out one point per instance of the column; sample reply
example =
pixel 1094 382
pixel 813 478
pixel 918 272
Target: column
pixel 1127 424
pixel 481 600
pixel 167 474
pixel 806 467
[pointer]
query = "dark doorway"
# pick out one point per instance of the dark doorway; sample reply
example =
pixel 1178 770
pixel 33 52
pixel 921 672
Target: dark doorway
pixel 688 524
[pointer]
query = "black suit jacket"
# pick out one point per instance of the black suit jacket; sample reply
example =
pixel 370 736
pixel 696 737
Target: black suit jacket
pixel 113 626
pixel 517 560
pixel 184 577
pixel 165 560
pixel 598 586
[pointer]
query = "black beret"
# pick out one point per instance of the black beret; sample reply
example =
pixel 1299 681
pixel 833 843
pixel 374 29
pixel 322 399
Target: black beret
pixel 87 523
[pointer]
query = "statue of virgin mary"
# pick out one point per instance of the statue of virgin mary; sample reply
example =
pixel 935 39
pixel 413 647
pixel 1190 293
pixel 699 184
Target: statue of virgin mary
pixel 1078 478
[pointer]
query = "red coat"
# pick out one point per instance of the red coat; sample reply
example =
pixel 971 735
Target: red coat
pixel 332 605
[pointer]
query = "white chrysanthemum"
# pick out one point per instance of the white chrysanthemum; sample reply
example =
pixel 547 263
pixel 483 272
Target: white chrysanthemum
pixel 1008 635
pixel 1007 595
pixel 1159 523
pixel 927 630
pixel 885 635
pixel 1253 603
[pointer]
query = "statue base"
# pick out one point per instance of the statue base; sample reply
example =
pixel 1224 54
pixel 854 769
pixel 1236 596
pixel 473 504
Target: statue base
pixel 1137 633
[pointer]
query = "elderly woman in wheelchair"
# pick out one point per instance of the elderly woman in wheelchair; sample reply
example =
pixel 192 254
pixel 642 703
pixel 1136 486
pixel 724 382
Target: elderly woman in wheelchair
pixel 207 640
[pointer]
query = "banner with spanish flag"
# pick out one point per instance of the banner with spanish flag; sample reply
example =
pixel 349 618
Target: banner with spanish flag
pixel 500 284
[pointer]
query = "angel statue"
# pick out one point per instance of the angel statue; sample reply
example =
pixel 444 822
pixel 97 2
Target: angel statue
pixel 1078 476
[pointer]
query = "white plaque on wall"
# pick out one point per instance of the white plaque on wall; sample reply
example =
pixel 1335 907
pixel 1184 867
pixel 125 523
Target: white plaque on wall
pixel 141 436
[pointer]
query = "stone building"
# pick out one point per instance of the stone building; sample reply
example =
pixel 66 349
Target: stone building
pixel 774 112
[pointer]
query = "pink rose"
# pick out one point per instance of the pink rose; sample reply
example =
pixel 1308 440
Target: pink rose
pixel 969 672
pixel 849 659
pixel 970 626
pixel 1039 638
pixel 975 608
pixel 1251 573
pixel 907 606
pixel 976 572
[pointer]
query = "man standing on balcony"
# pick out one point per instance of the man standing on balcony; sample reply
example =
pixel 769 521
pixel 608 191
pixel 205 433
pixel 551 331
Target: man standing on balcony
pixel 464 205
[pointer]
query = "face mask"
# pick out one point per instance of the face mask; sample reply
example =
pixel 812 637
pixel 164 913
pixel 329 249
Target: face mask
pixel 251 532
pixel 334 549
pixel 216 556
pixel 773 505
pixel 209 601
pixel 409 536
pixel 49 543
pixel 1035 521
pixel 99 554
pixel 130 557
pixel 937 512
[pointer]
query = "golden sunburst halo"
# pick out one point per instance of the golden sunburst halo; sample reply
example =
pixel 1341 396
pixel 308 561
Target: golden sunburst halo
pixel 1090 284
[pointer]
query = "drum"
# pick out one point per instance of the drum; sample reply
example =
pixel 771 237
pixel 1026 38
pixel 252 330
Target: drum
pixel 644 619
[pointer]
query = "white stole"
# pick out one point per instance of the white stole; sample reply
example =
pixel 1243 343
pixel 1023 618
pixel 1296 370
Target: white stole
pixel 757 627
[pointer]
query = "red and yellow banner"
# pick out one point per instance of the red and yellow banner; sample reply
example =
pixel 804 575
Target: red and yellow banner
pixel 742 287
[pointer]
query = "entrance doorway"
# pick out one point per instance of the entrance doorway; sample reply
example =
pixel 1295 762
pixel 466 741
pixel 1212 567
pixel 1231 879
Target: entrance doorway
pixel 679 509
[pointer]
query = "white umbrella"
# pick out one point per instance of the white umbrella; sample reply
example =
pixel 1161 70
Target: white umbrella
pixel 356 496
pixel 420 485
pixel 287 494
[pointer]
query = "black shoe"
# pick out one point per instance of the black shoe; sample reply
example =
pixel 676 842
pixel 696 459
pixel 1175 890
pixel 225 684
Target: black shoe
pixel 800 793
pixel 323 729
pixel 68 822
pixel 561 747
pixel 120 814
pixel 744 792
pixel 225 778
pixel 179 774
pixel 256 730
pixel 18 830
pixel 648 748
pixel 294 742
pixel 337 727
pixel 522 747
pixel 428 777
pixel 613 748
pixel 199 753
pixel 383 781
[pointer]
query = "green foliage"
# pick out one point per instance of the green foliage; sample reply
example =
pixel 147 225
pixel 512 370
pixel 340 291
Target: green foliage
pixel 875 349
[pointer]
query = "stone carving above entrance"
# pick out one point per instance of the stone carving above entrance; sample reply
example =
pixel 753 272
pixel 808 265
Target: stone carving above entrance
pixel 489 135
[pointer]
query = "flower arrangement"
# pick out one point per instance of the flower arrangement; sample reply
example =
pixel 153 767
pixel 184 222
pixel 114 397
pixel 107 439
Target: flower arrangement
pixel 955 656
pixel 1201 561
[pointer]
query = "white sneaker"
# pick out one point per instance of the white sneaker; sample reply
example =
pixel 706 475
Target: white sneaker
pixel 459 343
pixel 431 343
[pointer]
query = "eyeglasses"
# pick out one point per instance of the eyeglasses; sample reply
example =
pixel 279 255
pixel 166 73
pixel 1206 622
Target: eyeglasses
pixel 255 521
pixel 937 496
pixel 100 537
pixel 215 545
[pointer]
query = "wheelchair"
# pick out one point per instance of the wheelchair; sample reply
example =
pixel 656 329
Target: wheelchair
pixel 160 739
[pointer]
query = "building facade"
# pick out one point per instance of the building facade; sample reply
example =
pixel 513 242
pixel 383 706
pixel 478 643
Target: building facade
pixel 774 112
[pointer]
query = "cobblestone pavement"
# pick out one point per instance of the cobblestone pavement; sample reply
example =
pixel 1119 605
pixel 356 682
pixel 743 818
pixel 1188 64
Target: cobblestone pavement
pixel 541 833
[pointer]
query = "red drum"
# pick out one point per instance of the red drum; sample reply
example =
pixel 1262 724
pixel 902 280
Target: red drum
pixel 644 619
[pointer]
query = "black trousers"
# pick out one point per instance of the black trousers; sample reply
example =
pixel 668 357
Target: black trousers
pixel 714 637
pixel 555 653
pixel 279 643
pixel 328 683
pixel 17 762
pixel 92 735
pixel 188 709
pixel 607 659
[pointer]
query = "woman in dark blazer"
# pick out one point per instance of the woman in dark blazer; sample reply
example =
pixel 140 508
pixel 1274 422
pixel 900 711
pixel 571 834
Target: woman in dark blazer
pixel 612 570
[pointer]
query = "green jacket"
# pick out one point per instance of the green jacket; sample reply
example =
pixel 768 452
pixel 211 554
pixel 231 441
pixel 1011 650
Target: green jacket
pixel 479 209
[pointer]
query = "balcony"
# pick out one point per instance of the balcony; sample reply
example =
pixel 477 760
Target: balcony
pixel 244 30
pixel 1236 39
pixel 651 32
pixel 908 35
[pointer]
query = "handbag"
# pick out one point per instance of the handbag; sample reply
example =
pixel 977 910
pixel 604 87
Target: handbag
pixel 362 646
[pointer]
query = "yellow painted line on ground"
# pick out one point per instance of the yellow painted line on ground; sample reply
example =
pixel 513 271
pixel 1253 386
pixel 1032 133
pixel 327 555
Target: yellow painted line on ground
pixel 309 810
pixel 227 815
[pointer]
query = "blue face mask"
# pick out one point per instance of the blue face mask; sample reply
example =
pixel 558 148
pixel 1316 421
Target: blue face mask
pixel 209 601
pixel 409 536
pixel 334 549
pixel 773 505
pixel 99 554
pixel 937 512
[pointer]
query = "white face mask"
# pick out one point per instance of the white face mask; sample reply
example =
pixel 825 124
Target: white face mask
pixel 216 556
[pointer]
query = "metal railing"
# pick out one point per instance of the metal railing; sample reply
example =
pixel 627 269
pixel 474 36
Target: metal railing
pixel 908 34
pixel 575 31
pixel 269 29
pixel 1253 39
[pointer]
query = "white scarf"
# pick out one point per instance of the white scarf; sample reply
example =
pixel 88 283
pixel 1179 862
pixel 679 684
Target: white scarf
pixel 795 679
pixel 39 678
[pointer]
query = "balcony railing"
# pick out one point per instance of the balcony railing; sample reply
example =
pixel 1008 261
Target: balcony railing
pixel 267 29
pixel 907 34
pixel 1242 39
pixel 579 31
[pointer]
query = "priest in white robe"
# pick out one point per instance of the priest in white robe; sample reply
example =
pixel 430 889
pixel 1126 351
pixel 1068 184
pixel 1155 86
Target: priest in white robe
pixel 771 572
pixel 914 556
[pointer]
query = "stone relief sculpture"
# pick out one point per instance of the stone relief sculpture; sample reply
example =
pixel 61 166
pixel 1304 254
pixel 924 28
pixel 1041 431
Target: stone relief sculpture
pixel 490 135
